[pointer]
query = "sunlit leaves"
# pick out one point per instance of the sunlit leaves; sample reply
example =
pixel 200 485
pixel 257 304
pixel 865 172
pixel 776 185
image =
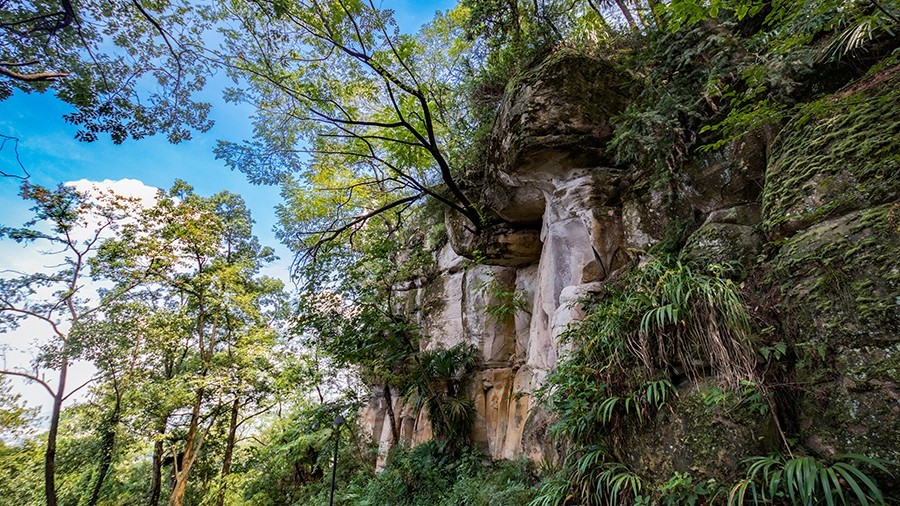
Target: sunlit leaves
pixel 132 68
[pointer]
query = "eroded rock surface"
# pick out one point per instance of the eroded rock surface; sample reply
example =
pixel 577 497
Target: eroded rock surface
pixel 813 219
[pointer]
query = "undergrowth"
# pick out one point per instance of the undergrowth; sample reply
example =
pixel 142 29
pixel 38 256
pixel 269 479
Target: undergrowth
pixel 807 481
pixel 427 476
pixel 663 321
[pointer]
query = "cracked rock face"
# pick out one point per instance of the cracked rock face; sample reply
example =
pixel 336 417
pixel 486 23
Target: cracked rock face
pixel 571 221
pixel 549 178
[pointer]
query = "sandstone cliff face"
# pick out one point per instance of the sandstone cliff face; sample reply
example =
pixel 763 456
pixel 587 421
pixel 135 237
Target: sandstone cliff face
pixel 822 234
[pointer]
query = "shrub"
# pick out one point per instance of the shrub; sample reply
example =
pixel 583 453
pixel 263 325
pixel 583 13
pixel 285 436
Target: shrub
pixel 806 481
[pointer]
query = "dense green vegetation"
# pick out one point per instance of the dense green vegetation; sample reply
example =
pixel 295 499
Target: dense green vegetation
pixel 214 385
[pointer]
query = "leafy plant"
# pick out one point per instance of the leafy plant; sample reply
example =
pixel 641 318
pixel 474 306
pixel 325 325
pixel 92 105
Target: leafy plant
pixel 505 302
pixel 680 490
pixel 749 396
pixel 619 484
pixel 440 384
pixel 662 317
pixel 806 481
pixel 587 474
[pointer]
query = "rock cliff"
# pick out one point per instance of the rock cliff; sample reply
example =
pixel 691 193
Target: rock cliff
pixel 814 225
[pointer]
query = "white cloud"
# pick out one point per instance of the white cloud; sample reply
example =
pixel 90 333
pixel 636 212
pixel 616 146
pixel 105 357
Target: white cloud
pixel 17 348
pixel 146 195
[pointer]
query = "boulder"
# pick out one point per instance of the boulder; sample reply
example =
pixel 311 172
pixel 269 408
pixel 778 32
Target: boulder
pixel 553 118
pixel 840 288
pixel 722 243
pixel 697 434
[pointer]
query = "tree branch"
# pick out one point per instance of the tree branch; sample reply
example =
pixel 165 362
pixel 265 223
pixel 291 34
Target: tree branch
pixel 31 378
pixel 29 78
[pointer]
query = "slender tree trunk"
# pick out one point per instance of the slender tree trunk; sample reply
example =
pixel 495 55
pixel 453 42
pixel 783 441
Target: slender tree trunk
pixel 517 26
pixel 192 445
pixel 107 445
pixel 229 448
pixel 395 433
pixel 50 454
pixel 599 14
pixel 626 12
pixel 654 9
pixel 156 472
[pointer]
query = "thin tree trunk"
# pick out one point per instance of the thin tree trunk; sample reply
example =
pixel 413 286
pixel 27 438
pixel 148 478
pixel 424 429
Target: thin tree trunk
pixel 517 26
pixel 626 12
pixel 156 472
pixel 395 433
pixel 181 475
pixel 653 4
pixel 107 445
pixel 229 449
pixel 50 453
pixel 599 14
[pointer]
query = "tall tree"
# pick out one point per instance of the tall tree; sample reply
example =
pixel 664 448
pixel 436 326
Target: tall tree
pixel 203 253
pixel 72 225
pixel 128 344
pixel 249 361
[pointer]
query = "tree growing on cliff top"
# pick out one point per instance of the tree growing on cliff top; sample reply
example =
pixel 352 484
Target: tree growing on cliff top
pixel 353 117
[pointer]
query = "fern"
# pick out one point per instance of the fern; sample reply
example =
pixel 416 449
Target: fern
pixel 807 481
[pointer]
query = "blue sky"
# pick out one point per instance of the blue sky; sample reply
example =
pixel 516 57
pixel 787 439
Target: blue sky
pixel 48 150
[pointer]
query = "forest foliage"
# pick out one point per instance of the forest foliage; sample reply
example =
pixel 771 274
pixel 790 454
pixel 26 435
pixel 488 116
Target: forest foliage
pixel 215 384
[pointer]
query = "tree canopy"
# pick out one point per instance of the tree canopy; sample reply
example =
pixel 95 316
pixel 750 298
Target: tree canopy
pixel 130 69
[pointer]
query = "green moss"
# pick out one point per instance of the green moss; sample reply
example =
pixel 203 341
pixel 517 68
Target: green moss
pixel 723 243
pixel 839 280
pixel 840 284
pixel 853 411
pixel 839 154
pixel 566 101
pixel 706 432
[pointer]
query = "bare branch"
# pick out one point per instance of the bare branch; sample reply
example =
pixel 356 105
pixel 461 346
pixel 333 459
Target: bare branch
pixel 86 383
pixel 15 143
pixel 30 377
pixel 333 234
pixel 35 77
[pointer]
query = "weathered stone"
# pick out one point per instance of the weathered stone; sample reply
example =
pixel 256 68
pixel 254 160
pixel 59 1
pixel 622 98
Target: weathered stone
pixel 724 242
pixel 839 155
pixel 570 222
pixel 840 283
pixel 703 438
pixel 645 217
pixel 728 177
pixel 500 244
pixel 854 405
pixel 747 214
pixel 526 284
pixel 553 118
pixel 563 105
pixel 493 335
pixel 840 280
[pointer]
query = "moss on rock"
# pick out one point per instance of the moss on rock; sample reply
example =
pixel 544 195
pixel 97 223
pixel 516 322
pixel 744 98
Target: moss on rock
pixel 840 280
pixel 723 243
pixel 840 283
pixel 858 409
pixel 839 154
pixel 699 433
pixel 565 104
